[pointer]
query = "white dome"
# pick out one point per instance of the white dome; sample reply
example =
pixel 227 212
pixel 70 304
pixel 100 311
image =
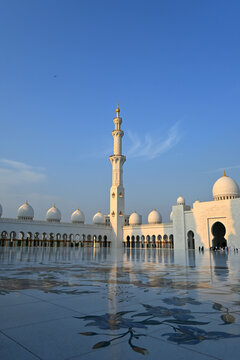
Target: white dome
pixel 0 210
pixel 99 218
pixel 154 217
pixel 78 217
pixel 225 188
pixel 25 212
pixel 135 219
pixel 180 200
pixel 171 216
pixel 53 214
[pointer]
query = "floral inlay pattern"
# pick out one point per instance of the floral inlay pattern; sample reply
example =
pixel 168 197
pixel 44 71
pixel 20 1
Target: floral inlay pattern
pixel 180 322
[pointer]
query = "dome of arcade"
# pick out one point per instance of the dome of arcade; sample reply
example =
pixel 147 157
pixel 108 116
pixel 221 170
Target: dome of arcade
pixel 99 218
pixel 154 217
pixel 171 216
pixel 225 188
pixel 53 214
pixel 25 212
pixel 135 219
pixel 180 200
pixel 78 217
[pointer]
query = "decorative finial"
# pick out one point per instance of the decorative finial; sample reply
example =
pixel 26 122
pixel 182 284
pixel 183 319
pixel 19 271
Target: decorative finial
pixel 54 206
pixel 117 109
pixel 224 173
pixel 26 202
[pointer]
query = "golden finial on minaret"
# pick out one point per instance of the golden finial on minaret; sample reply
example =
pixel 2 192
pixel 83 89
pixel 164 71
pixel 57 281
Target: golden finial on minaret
pixel 224 173
pixel 117 109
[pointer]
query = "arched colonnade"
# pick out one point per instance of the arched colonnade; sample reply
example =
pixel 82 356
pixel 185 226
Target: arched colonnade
pixel 154 241
pixel 21 238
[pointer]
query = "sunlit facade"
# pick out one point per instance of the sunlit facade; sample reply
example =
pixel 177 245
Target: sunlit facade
pixel 208 224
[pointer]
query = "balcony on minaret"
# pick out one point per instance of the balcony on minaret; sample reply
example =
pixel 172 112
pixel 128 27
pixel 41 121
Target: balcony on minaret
pixel 118 122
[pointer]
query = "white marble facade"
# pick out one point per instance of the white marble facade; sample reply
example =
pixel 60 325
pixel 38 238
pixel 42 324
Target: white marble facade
pixel 214 223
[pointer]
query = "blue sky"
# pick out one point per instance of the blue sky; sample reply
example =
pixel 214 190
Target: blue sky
pixel 172 65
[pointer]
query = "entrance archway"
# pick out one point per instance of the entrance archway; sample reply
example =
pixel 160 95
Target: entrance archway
pixel 218 231
pixel 191 240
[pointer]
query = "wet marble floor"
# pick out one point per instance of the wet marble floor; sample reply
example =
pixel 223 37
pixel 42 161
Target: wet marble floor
pixel 97 303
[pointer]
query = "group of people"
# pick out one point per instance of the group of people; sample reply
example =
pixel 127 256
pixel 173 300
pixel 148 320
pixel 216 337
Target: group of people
pixel 226 249
pixel 220 248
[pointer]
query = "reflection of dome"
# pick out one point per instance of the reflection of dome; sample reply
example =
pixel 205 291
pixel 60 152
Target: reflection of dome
pixel 99 218
pixel 25 212
pixel 78 217
pixel 180 201
pixel 0 210
pixel 171 216
pixel 53 214
pixel 154 217
pixel 135 219
pixel 225 188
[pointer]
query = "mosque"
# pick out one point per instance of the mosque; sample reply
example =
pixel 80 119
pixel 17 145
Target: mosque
pixel 214 223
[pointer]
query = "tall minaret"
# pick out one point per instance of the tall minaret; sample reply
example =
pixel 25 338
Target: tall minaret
pixel 117 189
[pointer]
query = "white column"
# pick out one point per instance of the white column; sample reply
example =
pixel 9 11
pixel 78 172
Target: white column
pixel 117 208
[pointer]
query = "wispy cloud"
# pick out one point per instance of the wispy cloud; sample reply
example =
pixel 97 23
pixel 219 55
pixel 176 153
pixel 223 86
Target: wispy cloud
pixel 150 148
pixel 222 169
pixel 17 173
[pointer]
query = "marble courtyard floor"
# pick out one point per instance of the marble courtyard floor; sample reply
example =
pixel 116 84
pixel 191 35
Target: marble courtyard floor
pixel 96 303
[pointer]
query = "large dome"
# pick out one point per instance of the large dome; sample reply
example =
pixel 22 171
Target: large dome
pixel 99 218
pixel 78 217
pixel 225 188
pixel 154 217
pixel 25 212
pixel 53 214
pixel 135 219
pixel 0 210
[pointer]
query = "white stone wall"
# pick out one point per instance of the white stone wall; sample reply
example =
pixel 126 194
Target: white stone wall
pixel 179 227
pixel 204 214
pixel 75 230
pixel 148 230
pixel 199 219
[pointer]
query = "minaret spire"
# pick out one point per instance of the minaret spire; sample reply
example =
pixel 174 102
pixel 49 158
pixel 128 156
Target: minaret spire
pixel 117 110
pixel 117 189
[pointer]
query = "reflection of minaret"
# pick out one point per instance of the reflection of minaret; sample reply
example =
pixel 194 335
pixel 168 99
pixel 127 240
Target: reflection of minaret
pixel 117 189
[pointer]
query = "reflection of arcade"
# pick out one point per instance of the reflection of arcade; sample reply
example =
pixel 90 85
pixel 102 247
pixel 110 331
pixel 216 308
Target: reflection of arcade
pixel 220 264
pixel 158 256
pixel 219 231
pixel 191 259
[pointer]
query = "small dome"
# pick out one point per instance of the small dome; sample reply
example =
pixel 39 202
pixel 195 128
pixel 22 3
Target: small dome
pixel 78 217
pixel 171 216
pixel 25 212
pixel 181 201
pixel 154 217
pixel 135 219
pixel 99 218
pixel 53 214
pixel 0 210
pixel 225 188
